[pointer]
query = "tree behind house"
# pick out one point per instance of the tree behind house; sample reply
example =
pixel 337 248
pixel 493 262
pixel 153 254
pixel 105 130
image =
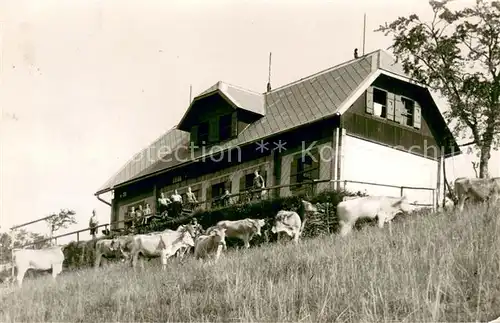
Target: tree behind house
pixel 457 54
pixel 61 220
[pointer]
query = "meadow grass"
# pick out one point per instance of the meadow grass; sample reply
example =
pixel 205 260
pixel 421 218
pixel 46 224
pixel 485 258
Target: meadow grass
pixel 438 267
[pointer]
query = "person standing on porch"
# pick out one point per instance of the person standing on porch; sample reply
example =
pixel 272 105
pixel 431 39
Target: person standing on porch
pixel 258 183
pixel 163 203
pixel 191 199
pixel 93 223
pixel 176 203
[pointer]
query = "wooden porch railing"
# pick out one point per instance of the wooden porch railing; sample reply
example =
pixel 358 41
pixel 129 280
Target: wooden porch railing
pixel 308 187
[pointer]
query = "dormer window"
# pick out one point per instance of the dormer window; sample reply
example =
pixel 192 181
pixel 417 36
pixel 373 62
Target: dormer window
pixel 225 130
pixel 203 133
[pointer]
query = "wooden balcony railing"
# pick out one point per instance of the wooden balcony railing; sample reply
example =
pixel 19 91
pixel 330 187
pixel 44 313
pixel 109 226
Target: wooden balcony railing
pixel 307 188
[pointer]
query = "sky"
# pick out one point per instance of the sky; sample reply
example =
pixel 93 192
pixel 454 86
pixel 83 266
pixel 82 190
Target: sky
pixel 84 85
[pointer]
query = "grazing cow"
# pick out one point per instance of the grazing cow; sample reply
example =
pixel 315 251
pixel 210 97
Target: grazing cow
pixel 38 259
pixel 383 207
pixel 478 189
pixel 208 244
pixel 244 229
pixel 118 247
pixel 291 223
pixel 161 244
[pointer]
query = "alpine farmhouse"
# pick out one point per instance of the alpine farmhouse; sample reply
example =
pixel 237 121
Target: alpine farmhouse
pixel 362 120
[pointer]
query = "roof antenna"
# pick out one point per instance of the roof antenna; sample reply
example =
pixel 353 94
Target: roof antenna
pixel 269 80
pixel 190 92
pixel 364 33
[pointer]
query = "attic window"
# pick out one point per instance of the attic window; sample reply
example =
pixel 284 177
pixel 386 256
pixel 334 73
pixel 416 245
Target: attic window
pixel 225 127
pixel 380 103
pixel 408 112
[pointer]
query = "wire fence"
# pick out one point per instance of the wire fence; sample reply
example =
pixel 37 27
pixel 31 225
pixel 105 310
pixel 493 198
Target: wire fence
pixel 309 189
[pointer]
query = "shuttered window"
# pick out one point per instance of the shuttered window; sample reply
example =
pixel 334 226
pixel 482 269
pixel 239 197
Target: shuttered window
pixel 369 100
pixel 225 125
pixel 234 124
pixel 213 131
pixel 408 111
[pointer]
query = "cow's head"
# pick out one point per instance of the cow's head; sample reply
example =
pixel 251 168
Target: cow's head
pixel 218 235
pixel 402 206
pixel 187 238
pixel 258 224
pixel 115 244
pixel 188 228
pixel 309 207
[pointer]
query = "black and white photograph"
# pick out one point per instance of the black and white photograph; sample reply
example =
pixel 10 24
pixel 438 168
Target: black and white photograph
pixel 250 161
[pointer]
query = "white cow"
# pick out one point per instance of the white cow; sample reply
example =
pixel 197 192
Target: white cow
pixel 38 259
pixel 208 244
pixel 383 207
pixel 244 229
pixel 291 223
pixel 477 189
pixel 161 244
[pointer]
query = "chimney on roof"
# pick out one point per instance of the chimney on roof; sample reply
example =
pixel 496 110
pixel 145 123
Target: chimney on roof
pixel 355 53
pixel 269 79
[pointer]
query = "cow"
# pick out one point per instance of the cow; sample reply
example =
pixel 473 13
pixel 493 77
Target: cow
pixel 244 229
pixel 383 207
pixel 478 189
pixel 291 223
pixel 208 244
pixel 118 247
pixel 160 244
pixel 197 230
pixel 38 259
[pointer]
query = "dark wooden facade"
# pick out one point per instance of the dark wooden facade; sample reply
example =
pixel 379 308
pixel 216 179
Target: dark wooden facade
pixel 424 140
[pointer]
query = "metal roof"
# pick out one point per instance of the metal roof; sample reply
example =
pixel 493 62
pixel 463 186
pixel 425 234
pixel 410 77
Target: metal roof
pixel 301 102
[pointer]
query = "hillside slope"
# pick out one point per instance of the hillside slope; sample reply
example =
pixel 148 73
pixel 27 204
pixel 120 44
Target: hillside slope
pixel 439 267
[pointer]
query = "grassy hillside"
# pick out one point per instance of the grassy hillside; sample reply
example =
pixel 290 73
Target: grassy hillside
pixel 433 268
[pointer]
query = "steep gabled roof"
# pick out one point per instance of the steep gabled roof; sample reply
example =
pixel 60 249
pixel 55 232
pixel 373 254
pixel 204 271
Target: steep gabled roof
pixel 296 104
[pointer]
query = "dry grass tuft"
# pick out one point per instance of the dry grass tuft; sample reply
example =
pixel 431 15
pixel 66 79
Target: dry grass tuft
pixel 441 267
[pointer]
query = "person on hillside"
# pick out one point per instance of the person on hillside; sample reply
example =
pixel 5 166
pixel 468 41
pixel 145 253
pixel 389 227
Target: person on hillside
pixel 93 223
pixel 176 204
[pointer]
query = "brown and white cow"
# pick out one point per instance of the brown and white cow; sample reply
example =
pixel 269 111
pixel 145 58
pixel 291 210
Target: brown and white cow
pixel 385 208
pixel 207 245
pixel 116 248
pixel 477 189
pixel 244 229
pixel 38 259
pixel 291 223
